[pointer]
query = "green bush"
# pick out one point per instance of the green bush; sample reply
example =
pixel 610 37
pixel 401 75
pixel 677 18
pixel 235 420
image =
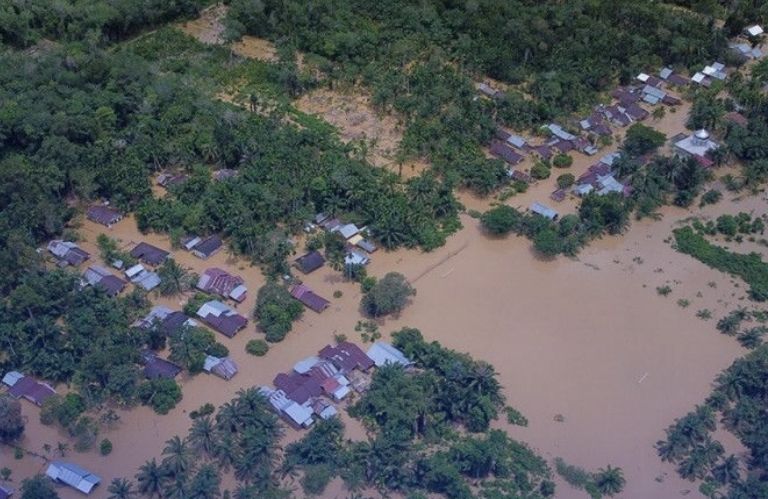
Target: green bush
pixel 565 180
pixel 500 219
pixel 161 394
pixel 712 196
pixel 259 348
pixel 540 171
pixel 105 447
pixel 316 479
pixel 562 161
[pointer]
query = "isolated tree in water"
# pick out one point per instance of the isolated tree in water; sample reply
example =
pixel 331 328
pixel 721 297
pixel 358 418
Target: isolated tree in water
pixel 11 420
pixel 388 295
pixel 610 480
pixel 38 487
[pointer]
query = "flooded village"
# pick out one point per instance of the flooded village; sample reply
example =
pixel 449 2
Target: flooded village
pixel 598 361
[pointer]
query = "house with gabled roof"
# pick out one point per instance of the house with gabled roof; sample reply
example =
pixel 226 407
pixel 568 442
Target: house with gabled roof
pixel 505 152
pixel 224 368
pixel 28 388
pixel 544 211
pixel 149 254
pixel 73 475
pixel 309 262
pixel 67 253
pixel 103 215
pixel 222 283
pixel 103 279
pixel 207 247
pixel 309 298
pixel 221 318
pixel 346 357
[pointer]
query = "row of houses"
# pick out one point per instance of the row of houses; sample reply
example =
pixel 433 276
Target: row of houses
pixel 315 384
pixel 358 246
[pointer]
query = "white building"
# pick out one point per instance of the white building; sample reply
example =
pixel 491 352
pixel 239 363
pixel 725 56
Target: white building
pixel 697 145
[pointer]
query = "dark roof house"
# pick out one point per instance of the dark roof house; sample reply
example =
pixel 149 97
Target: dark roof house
pixel 149 254
pixel 310 262
pixel 221 318
pixel 505 152
pixel 221 282
pixel 309 298
pixel 30 389
pixel 156 367
pixel 298 387
pixel 103 215
pixel 68 253
pixel 207 247
pixel 346 357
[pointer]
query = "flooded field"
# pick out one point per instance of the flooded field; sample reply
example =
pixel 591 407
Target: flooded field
pixel 588 339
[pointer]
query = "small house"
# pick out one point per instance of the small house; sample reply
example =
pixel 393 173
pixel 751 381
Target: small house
pixel 189 242
pixel 309 262
pixel 754 30
pixel 297 415
pixel 103 215
pixel 516 141
pixel 503 151
pixel 224 368
pixel 221 282
pixel 356 258
pixel 383 353
pixel 167 320
pixel 67 253
pixel 73 475
pixel 346 357
pixel 367 246
pixel 151 255
pixel 170 180
pixel 207 247
pixel 158 368
pixel 544 211
pixel 487 90
pixel 309 298
pixel 635 112
pixel 28 388
pixel 103 279
pixel 221 318
pixel 346 230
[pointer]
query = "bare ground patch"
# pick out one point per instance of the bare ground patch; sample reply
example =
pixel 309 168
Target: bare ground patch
pixel 354 116
pixel 209 27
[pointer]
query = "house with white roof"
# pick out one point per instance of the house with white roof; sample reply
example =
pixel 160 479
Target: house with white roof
pixel 382 353
pixel 697 146
pixel 73 475
pixel 544 211
pixel 754 30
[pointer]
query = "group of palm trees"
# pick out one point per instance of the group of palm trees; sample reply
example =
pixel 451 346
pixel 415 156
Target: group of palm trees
pixel 242 438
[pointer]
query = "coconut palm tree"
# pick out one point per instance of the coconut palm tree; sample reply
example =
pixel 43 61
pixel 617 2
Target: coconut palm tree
pixel 202 435
pixel 120 488
pixel 610 480
pixel 727 472
pixel 177 458
pixel 205 484
pixel 150 478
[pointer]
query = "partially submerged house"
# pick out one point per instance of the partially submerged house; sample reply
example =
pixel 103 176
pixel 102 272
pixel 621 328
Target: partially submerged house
pixel 346 357
pixel 309 298
pixel 167 320
pixel 544 211
pixel 149 254
pixel 224 368
pixel 222 283
pixel 142 277
pixel 356 258
pixel 28 388
pixel 102 278
pixel 383 353
pixel 697 146
pixel 559 132
pixel 297 415
pixel 649 80
pixel 309 262
pixel 673 78
pixel 221 318
pixel 73 475
pixel 6 491
pixel 367 246
pixel 158 368
pixel 746 50
pixel 346 230
pixel 67 253
pixel 505 152
pixel 103 215
pixel 207 247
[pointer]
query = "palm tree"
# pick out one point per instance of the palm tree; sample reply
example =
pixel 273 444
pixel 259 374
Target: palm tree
pixel 205 484
pixel 728 471
pixel 202 435
pixel 120 488
pixel 150 478
pixel 177 458
pixel 610 480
